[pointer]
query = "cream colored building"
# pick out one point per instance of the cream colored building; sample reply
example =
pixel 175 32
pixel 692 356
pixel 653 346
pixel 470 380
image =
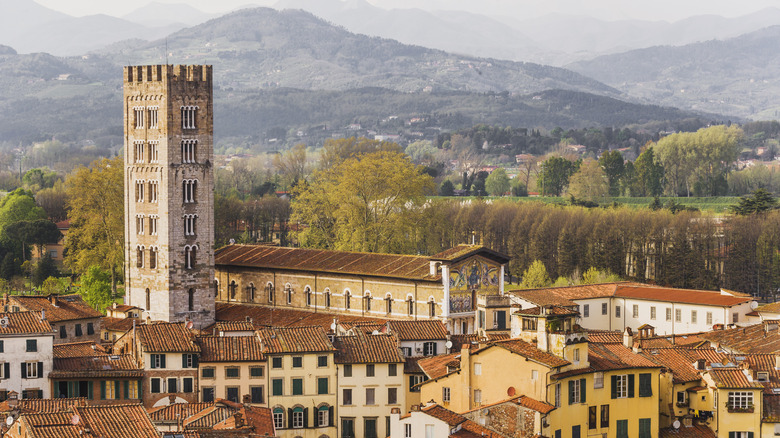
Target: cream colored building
pixel 26 355
pixel 370 383
pixel 302 381
pixel 232 368
pixel 444 286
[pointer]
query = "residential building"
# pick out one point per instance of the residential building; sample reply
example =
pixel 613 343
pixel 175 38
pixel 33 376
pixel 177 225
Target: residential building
pixel 26 343
pixel 119 421
pixel 169 356
pixel 71 318
pixel 434 421
pixel 757 338
pixel 232 368
pixel 118 320
pixel 370 383
pixel 169 192
pixel 55 250
pixel 302 379
pixel 517 417
pixel 86 370
pixel 615 306
pixel 444 286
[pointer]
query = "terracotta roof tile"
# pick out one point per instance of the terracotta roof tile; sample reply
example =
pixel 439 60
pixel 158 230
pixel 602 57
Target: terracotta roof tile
pixel 695 431
pixel 769 308
pixel 67 307
pixel 468 428
pixel 234 326
pixel 264 316
pixel 24 322
pixel 425 330
pixel 78 349
pixel 461 252
pixel 343 262
pixel 687 296
pixel 757 338
pixel 682 361
pixel 230 349
pixel 280 340
pixel 444 414
pixel 732 378
pixel 177 411
pixel 771 408
pixel 37 405
pixel 529 351
pixel 118 324
pixel 551 310
pixel 411 365
pixel 439 366
pixel 118 421
pixel 536 405
pixel 96 367
pixel 165 337
pixel 363 348
pixel 541 297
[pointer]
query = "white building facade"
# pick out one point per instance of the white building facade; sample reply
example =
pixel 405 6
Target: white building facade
pixel 26 355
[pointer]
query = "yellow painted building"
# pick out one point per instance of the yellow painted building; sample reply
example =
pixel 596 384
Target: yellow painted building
pixel 370 383
pixel 232 368
pixel 737 401
pixel 301 381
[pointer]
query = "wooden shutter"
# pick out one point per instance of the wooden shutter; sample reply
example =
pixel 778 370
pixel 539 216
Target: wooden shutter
pixel 330 416
pixel 630 385
pixel 645 385
pixel 162 361
pixel 90 390
pixel 7 370
pixel 24 370
pixel 152 361
pixel 582 391
pixel 306 418
pixel 40 393
pixel 117 389
pixel 613 383
pixel 184 360
pixel 194 360
pixel 102 390
pixel 571 391
pixel 127 389
pixel 40 370
pixel 289 418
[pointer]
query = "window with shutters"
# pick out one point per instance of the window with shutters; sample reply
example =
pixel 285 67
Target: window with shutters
pixel 232 372
pixel 279 418
pixel 186 384
pixel 415 380
pixel 644 428
pixel 370 370
pixel 155 385
pixel 132 389
pixel 255 372
pixel 232 393
pixel 2 346
pixel 297 386
pixel 108 390
pixel 603 308
pixel 208 372
pixel 32 345
pixel 322 385
pixel 604 416
pixel 429 348
pixel 297 362
pixel 323 416
pixel 90 328
pixel 392 369
pixel 369 428
pixel 576 391
pixel 445 395
pixel 277 386
pixel 173 385
pixel 257 394
pixel 207 394
pixel 620 386
pixel 622 429
pixel 370 396
pixel 322 361
pixel 392 396
pixel 347 427
pixel 157 360
pixel 617 311
pixel 4 368
pixel 645 385
pixel 348 370
pixel 78 330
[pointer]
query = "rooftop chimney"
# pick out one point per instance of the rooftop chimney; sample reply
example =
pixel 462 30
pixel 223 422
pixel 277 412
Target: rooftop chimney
pixel 53 299
pixel 628 338
pixel 43 315
pixel 239 420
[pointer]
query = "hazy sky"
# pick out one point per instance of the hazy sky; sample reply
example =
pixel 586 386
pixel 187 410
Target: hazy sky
pixel 669 10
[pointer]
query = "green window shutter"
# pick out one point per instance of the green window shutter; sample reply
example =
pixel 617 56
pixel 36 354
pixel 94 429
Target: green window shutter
pixel 644 428
pixel 732 435
pixel 297 388
pixel 40 369
pixel 613 384
pixel 162 361
pixel 322 385
pixel 571 391
pixel 127 389
pixel 630 385
pixel 70 390
pixel 184 360
pixel 151 360
pixel 90 390
pixel 117 389
pixel 194 360
pixel 645 385
pixel 750 434
pixel 40 393
pixel 582 391
pixel 102 390
pixel 622 429
pixel 277 387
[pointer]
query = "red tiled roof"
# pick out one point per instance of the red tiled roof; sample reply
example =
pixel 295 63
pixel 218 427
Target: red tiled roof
pixel 67 308
pixel 695 431
pixel 541 297
pixel 78 349
pixel 552 310
pixel 280 340
pixel 444 414
pixel 438 366
pixel 687 296
pixel 757 338
pixel 177 411
pixel 96 367
pixel 118 324
pixel 264 316
pixel 234 326
pixel 24 322
pixel 453 419
pixel 37 405
pixel 162 337
pixel 425 330
pixel 769 308
pixel 529 351
pixel 461 252
pixel 125 307
pixel 411 365
pixel 363 348
pixel 771 412
pixel 682 361
pixel 118 421
pixel 230 349
pixel 536 405
pixel 343 262
pixel 732 378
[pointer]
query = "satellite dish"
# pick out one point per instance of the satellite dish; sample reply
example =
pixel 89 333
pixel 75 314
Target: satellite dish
pixel 753 305
pixel 448 344
pixel 676 424
pixel 9 420
pixel 4 322
pixel 333 326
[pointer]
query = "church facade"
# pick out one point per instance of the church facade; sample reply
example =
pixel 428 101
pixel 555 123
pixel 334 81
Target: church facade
pixel 446 286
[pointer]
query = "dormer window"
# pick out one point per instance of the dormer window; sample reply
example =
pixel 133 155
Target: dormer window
pixel 762 376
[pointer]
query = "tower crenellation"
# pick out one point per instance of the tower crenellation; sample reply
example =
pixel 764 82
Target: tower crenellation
pixel 169 189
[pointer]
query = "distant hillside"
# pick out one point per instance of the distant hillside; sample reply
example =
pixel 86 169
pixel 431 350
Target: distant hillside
pixel 265 48
pixel 736 76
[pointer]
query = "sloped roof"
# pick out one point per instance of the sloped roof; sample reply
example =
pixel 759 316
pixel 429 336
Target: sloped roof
pixel 177 411
pixel 552 310
pixel 234 326
pixel 120 421
pixel 363 348
pixel 230 349
pixel 608 357
pixel 342 262
pixel 732 378
pixel 96 366
pixel 438 366
pixel 37 405
pixel 280 340
pixel 24 323
pixel 78 349
pixel 267 316
pixel 67 307
pixel 453 419
pixel 460 252
pixel 529 351
pixel 542 297
pixel 170 337
pixel 522 400
pixel 118 324
pixel 695 431
pixel 769 308
pixel 756 338
pixel 421 330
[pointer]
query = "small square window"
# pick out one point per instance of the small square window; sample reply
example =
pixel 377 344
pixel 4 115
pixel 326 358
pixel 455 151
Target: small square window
pixel 297 362
pixel 207 373
pixel 322 361
pixel 255 372
pixel 370 370
pixel 32 345
pixel 276 362
pixel 392 369
pixel 232 372
pixel 348 370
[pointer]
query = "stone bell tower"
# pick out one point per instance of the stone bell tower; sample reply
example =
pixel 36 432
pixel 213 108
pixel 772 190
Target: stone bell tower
pixel 169 192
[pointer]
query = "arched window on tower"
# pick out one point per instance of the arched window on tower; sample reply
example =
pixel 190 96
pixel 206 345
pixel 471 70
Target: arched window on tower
pixel 269 292
pixel 307 292
pixel 191 300
pixel 153 257
pixel 288 291
pixel 190 253
pixel 251 291
pixel 367 301
pixel 233 288
pixel 327 297
pixel 389 303
pixel 410 306
pixel 347 300
pixel 139 255
pixel 431 307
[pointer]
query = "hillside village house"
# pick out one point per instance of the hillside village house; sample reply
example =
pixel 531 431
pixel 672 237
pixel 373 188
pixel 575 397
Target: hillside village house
pixel 444 286
pixel 118 320
pixel 169 356
pixel 615 306
pixel 232 368
pixel 26 342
